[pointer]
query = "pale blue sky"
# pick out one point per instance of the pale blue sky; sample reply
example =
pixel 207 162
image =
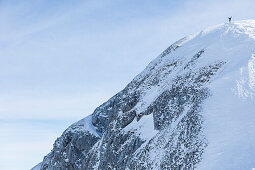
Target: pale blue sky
pixel 61 59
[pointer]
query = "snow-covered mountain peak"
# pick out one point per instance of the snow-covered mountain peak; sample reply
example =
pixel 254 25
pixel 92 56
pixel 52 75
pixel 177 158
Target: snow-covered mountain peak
pixel 192 107
pixel 226 37
pixel 237 27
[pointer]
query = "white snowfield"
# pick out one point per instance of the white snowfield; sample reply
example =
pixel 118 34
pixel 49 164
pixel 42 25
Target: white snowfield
pixel 230 112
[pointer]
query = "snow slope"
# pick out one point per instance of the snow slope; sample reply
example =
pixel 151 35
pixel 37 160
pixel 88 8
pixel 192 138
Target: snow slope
pixel 230 112
pixel 193 107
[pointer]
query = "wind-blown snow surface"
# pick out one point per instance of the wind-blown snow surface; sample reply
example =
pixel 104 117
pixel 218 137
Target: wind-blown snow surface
pixel 230 111
pixel 192 107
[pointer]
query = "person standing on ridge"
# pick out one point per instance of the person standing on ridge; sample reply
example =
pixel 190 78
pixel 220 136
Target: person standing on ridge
pixel 229 19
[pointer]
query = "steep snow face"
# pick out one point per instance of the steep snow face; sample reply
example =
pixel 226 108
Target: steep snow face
pixel 192 107
pixel 230 112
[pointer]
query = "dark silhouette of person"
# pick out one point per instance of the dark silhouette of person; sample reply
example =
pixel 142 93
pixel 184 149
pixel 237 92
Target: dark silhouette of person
pixel 229 19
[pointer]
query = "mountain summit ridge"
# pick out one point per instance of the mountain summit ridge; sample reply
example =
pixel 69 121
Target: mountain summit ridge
pixel 191 108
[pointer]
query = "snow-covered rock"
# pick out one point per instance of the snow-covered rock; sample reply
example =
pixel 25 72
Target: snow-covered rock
pixel 193 107
pixel 37 167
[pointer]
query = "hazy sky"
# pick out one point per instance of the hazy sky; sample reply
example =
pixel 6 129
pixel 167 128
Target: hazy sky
pixel 61 59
